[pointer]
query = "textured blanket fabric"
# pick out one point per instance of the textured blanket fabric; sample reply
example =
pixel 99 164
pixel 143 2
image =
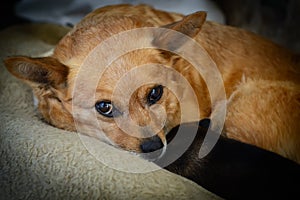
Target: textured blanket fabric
pixel 39 161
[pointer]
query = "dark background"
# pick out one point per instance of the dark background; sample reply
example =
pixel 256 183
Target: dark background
pixel 7 14
pixel 278 20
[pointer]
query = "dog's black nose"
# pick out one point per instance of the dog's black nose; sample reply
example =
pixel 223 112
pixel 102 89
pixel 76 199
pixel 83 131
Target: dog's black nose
pixel 152 144
pixel 204 123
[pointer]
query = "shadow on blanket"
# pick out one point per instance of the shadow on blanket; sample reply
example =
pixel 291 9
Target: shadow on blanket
pixel 234 170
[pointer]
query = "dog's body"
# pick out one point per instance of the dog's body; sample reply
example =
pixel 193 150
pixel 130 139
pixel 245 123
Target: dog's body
pixel 261 79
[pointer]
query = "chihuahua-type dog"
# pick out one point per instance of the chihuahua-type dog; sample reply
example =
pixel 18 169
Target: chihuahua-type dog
pixel 261 81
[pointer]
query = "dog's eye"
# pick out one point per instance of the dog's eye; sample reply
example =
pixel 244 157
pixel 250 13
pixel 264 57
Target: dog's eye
pixel 155 95
pixel 105 108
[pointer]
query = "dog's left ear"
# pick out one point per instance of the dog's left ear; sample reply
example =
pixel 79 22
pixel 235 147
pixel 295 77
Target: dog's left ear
pixel 42 72
pixel 190 26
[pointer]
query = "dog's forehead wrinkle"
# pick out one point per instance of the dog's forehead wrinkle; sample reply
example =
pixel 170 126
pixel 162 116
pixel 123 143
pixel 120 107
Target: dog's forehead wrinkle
pixel 121 75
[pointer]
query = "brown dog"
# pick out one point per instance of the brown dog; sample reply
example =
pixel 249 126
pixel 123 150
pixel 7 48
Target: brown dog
pixel 261 81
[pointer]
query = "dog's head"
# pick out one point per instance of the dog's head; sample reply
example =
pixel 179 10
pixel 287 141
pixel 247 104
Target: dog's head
pixel 152 109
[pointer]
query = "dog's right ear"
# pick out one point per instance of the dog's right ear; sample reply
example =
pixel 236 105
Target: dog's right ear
pixel 46 71
pixel 177 33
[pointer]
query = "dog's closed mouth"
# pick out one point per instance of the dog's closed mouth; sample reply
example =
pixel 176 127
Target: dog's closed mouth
pixel 171 135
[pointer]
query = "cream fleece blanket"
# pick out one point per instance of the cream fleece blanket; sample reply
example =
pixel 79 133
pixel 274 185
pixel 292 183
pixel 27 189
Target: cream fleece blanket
pixel 39 161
